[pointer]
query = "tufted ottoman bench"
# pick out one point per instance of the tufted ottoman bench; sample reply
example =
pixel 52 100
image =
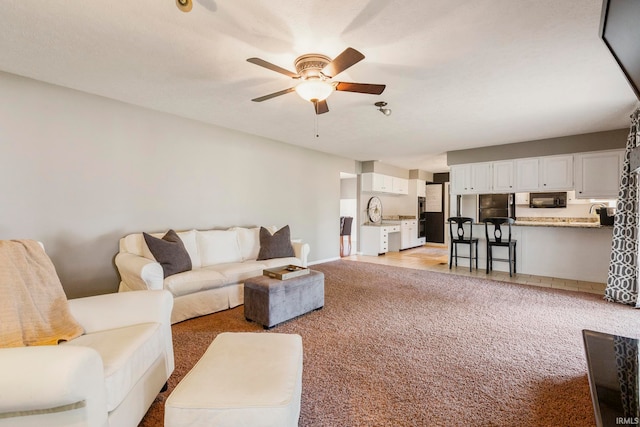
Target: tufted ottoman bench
pixel 271 301
pixel 243 379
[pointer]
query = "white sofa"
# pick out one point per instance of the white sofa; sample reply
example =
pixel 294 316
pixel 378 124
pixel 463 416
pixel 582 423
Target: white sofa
pixel 109 376
pixel 221 261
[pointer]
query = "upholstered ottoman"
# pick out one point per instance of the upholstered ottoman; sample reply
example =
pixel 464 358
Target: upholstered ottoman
pixel 271 301
pixel 243 379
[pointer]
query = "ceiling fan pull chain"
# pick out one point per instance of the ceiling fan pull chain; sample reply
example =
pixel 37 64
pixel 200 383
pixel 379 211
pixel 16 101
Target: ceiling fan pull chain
pixel 315 130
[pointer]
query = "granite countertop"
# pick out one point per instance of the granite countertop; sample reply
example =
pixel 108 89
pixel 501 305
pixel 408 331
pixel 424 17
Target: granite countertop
pixel 397 217
pixel 588 222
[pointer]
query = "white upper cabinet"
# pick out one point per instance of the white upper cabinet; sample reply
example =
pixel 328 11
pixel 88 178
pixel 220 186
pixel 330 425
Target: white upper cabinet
pixel 556 173
pixel 460 179
pixel 399 185
pixel 473 178
pixel 375 182
pixel 597 174
pixel 421 187
pixel 481 178
pixel 379 183
pixel 550 173
pixel 503 179
pixel 527 174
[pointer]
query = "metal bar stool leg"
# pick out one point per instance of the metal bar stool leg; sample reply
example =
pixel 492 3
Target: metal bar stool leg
pixel 476 254
pixel 488 255
pixel 470 255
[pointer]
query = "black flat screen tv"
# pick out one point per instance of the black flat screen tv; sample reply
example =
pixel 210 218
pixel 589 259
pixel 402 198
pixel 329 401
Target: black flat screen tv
pixel 620 31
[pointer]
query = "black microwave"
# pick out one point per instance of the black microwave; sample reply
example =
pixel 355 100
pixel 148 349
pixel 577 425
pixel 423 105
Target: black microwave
pixel 548 200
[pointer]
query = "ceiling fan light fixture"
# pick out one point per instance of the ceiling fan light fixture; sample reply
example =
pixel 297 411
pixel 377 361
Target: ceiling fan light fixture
pixel 314 89
pixel 381 105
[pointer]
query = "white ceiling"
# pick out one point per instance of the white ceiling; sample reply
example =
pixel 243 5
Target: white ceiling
pixel 459 74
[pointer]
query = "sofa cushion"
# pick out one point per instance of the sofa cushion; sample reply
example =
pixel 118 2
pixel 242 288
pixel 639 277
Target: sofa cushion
pixel 249 242
pixel 218 247
pixel 127 353
pixel 237 272
pixel 191 245
pixel 276 245
pixel 169 252
pixel 194 281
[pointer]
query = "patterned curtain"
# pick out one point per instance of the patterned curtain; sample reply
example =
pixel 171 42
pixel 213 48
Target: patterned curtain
pixel 627 368
pixel 622 282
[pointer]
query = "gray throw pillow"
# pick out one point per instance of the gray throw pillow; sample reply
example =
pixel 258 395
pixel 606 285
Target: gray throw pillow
pixel 169 252
pixel 277 245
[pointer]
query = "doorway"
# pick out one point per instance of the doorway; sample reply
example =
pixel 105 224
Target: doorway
pixel 349 208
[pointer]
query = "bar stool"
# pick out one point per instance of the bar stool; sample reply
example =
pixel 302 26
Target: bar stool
pixel 345 230
pixel 499 241
pixel 460 238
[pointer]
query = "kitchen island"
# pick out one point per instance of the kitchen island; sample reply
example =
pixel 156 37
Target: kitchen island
pixel 566 249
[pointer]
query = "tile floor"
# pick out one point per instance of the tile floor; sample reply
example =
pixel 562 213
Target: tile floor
pixel 429 257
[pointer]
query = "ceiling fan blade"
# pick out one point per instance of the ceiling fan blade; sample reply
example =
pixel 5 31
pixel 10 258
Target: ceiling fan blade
pixel 346 59
pixel 273 67
pixel 273 95
pixel 361 88
pixel 321 107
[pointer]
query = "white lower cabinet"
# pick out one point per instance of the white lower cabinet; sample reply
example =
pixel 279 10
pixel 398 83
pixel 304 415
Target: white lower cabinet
pixel 409 234
pixel 374 239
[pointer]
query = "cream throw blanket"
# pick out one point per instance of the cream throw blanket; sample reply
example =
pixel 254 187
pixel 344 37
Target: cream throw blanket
pixel 33 306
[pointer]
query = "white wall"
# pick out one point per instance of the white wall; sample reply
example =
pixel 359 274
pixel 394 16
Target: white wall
pixel 78 172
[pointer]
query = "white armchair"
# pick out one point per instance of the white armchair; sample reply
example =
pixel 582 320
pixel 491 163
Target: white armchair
pixel 109 376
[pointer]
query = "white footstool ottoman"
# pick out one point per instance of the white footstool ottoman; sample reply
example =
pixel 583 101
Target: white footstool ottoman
pixel 243 379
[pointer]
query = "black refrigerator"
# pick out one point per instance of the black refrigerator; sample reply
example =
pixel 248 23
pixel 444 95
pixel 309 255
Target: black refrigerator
pixel 433 213
pixel 496 205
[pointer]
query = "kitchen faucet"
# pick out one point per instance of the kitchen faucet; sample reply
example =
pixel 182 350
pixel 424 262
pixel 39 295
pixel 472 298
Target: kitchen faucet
pixel 599 205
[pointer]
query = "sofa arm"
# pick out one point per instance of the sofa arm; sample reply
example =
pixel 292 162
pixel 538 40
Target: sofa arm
pixel 117 310
pixel 301 251
pixel 52 386
pixel 139 273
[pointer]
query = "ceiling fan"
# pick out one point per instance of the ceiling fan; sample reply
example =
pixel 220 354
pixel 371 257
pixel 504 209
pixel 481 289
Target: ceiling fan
pixel 315 72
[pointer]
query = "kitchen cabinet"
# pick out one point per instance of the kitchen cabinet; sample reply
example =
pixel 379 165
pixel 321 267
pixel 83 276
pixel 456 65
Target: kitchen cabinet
pixel 556 173
pixel 503 179
pixel 460 177
pixel 380 183
pixel 550 173
pixel 409 234
pixel 374 239
pixel 597 174
pixel 472 178
pixel 421 188
pixel 522 199
pixel 399 185
pixel 527 174
pixel 375 182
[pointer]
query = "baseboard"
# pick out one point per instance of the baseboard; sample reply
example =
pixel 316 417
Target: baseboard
pixel 323 261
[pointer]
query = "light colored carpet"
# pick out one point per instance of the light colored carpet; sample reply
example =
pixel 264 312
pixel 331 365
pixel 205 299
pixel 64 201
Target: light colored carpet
pixel 405 347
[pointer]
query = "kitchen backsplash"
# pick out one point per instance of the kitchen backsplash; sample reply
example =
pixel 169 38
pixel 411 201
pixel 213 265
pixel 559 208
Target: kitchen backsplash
pixel 576 208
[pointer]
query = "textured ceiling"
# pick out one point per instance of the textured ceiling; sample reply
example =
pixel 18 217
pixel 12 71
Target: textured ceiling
pixel 459 74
